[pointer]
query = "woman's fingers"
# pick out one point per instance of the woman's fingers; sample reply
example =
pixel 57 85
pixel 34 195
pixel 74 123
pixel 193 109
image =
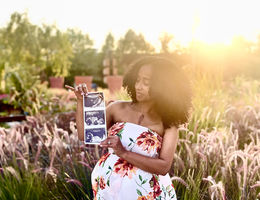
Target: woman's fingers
pixel 80 89
pixel 69 87
pixel 109 141
pixel 84 88
pixel 104 143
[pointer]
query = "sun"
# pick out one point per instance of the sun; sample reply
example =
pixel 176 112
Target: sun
pixel 220 21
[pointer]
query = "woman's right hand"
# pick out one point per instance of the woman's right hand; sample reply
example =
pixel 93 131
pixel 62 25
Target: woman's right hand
pixel 80 90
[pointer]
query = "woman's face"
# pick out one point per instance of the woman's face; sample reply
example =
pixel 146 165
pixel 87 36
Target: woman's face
pixel 142 84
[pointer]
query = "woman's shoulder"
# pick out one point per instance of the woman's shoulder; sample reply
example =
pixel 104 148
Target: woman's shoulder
pixel 118 104
pixel 117 109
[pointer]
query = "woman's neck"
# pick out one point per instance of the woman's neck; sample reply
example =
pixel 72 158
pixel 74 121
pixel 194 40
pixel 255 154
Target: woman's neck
pixel 144 107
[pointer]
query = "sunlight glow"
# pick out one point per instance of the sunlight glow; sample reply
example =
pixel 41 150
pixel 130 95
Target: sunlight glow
pixel 220 21
pixel 209 21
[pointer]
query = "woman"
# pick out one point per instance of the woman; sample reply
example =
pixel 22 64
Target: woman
pixel 142 133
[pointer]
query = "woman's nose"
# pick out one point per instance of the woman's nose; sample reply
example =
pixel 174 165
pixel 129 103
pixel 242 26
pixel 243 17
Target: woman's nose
pixel 138 86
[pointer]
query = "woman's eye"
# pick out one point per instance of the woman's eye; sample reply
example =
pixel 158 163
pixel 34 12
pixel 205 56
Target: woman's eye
pixel 146 82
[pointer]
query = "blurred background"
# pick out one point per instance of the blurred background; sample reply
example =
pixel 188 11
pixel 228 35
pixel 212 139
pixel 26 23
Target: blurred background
pixel 47 44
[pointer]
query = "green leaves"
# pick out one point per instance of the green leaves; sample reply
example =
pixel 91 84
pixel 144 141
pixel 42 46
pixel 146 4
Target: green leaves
pixel 132 43
pixel 139 192
pixel 140 177
pixel 16 81
pixel 119 134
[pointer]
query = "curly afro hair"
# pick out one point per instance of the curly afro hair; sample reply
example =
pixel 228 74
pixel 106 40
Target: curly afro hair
pixel 170 89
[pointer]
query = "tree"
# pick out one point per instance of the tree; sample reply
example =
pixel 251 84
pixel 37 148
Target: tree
pixel 165 39
pixel 56 51
pixel 19 42
pixel 130 47
pixel 41 49
pixel 132 43
pixel 108 51
pixel 109 44
pixel 86 60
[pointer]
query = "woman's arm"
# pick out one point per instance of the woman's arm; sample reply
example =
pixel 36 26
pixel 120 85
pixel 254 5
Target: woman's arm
pixel 80 119
pixel 80 91
pixel 160 165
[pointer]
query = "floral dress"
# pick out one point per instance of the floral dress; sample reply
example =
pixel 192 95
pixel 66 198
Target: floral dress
pixel 116 179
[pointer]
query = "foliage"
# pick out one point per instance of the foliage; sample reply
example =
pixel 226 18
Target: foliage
pixel 58 101
pixel 86 60
pixel 211 162
pixel 19 43
pixel 2 74
pixel 56 51
pixel 217 153
pixel 19 184
pixel 165 39
pixel 45 159
pixel 132 43
pixel 42 48
pixel 24 88
pixel 28 93
pixel 109 44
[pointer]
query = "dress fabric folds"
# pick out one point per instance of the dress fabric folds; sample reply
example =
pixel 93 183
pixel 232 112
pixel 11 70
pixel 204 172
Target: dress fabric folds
pixel 113 178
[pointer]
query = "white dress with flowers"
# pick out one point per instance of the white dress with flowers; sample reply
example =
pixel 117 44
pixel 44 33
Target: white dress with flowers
pixel 113 178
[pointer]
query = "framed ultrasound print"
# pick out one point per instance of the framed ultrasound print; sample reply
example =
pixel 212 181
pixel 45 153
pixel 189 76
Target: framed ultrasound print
pixel 94 115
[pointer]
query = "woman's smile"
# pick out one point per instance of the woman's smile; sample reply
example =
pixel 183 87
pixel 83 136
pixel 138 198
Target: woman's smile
pixel 139 94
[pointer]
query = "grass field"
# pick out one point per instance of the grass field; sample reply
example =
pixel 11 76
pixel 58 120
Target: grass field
pixel 217 157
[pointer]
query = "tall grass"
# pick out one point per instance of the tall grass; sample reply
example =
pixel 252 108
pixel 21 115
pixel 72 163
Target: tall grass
pixel 217 157
pixel 44 162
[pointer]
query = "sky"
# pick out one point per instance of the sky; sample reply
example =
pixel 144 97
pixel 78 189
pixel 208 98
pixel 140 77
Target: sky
pixel 210 21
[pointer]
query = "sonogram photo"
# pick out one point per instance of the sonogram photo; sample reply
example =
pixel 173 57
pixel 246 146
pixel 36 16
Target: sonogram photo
pixel 94 100
pixel 95 135
pixel 95 117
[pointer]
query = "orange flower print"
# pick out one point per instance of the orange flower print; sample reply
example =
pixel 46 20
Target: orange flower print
pixel 102 183
pixel 95 188
pixel 156 187
pixel 142 198
pixel 124 168
pixel 103 158
pixel 116 128
pixel 148 141
pixel 148 197
pixel 98 183
pixel 159 138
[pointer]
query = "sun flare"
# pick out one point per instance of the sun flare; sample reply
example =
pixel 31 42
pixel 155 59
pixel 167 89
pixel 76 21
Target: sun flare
pixel 221 21
pixel 209 21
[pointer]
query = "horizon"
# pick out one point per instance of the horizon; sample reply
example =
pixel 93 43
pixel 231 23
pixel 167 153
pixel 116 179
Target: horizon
pixel 207 21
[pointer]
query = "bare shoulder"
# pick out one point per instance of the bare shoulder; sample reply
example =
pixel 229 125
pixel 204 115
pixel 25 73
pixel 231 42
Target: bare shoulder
pixel 118 105
pixel 115 111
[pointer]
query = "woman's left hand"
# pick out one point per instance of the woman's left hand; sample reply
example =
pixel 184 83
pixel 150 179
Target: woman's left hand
pixel 114 143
